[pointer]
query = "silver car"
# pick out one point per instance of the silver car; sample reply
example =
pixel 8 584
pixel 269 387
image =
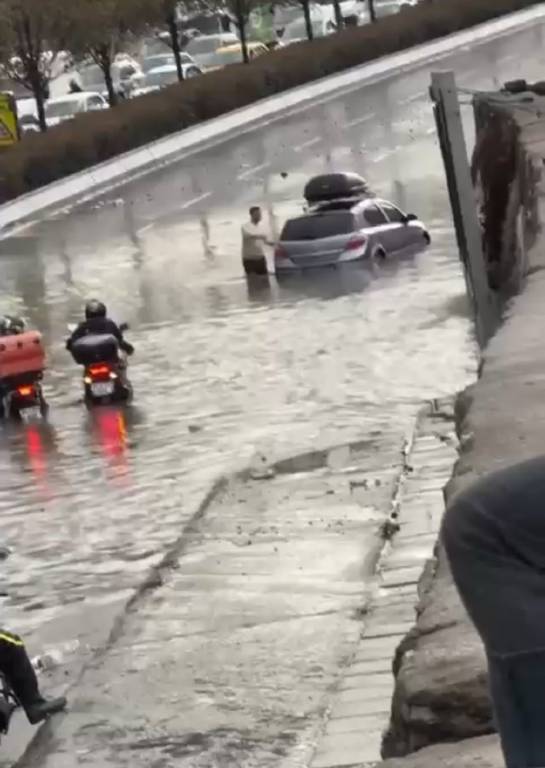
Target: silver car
pixel 336 233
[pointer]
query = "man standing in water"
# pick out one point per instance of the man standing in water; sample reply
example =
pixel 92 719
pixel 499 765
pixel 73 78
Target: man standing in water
pixel 494 535
pixel 254 242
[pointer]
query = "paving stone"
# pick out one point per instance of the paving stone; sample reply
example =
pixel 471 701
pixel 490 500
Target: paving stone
pixel 363 707
pixel 353 680
pixel 377 629
pixel 376 648
pixel 370 667
pixel 378 692
pixel 401 576
pixel 366 750
pixel 359 723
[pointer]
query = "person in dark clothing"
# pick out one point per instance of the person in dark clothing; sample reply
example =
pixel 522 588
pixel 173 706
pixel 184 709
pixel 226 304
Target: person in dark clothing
pixel 21 678
pixel 494 536
pixel 96 322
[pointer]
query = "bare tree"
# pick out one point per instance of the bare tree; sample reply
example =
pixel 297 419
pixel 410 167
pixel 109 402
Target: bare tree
pixel 339 21
pixel 102 29
pixel 308 19
pixel 240 11
pixel 165 13
pixel 32 34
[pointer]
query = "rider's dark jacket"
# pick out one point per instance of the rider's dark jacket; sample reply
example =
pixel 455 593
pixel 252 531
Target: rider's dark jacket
pixel 98 326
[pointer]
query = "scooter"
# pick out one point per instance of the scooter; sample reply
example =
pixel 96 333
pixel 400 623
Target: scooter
pixel 106 382
pixel 105 378
pixel 24 400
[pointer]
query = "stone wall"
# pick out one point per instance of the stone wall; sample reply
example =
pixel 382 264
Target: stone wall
pixel 441 682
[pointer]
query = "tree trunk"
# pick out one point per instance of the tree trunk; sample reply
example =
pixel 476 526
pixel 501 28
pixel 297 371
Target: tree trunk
pixel 175 44
pixel 372 11
pixel 308 19
pixel 37 82
pixel 105 63
pixel 37 86
pixel 241 24
pixel 38 92
pixel 339 21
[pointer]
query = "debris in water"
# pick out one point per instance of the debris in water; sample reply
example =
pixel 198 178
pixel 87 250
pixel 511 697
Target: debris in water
pixel 260 468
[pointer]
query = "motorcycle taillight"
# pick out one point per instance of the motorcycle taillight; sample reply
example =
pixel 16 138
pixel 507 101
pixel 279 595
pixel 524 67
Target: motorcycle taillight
pixel 98 371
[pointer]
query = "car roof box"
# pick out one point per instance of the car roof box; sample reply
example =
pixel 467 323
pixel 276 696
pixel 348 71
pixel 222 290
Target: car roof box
pixel 335 186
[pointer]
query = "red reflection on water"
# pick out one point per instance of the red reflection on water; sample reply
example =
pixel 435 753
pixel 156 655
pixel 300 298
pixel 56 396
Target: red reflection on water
pixel 36 451
pixel 111 435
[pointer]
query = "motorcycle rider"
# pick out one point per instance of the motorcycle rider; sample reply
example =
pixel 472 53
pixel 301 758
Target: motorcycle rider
pixel 10 325
pixel 21 678
pixel 96 323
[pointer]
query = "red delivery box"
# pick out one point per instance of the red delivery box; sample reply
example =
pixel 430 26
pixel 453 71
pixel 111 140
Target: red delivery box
pixel 21 353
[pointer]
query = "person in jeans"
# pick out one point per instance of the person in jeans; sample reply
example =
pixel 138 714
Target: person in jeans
pixel 494 536
pixel 254 241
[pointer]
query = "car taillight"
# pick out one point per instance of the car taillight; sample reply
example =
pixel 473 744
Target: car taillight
pixel 356 243
pixel 25 391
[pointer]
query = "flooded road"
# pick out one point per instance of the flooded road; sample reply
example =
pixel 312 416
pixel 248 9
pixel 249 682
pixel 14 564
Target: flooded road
pixel 223 370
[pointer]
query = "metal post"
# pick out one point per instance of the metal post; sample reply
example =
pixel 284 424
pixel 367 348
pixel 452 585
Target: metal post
pixel 462 199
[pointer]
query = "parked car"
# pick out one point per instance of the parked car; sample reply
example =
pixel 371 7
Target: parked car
pixel 232 54
pixel 67 107
pixel 285 14
pixel 203 48
pixel 296 31
pixel 390 7
pixel 126 75
pixel 27 114
pixel 29 124
pixel 164 60
pixel 355 9
pixel 160 77
pixel 350 227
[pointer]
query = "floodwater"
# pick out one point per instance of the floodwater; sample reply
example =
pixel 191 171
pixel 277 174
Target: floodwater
pixel 224 371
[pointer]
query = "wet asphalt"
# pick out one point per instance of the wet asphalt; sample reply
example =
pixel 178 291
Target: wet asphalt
pixel 224 371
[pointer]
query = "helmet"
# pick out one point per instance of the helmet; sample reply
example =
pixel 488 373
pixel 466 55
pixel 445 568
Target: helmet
pixel 95 308
pixel 10 325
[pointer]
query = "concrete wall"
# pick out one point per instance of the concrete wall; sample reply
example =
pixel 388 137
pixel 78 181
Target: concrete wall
pixel 441 681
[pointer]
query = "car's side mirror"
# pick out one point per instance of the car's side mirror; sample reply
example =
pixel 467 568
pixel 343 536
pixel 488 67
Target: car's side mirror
pixel 124 327
pixel 410 217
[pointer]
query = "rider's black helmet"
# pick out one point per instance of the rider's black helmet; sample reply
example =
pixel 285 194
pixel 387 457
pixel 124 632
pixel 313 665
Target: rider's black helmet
pixel 95 308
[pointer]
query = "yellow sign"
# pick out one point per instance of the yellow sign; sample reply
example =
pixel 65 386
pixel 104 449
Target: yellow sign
pixel 9 130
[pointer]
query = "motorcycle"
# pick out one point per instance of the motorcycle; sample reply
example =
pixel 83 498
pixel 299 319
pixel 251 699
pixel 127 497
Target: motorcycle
pixel 105 378
pixel 23 400
pixel 22 363
pixel 106 382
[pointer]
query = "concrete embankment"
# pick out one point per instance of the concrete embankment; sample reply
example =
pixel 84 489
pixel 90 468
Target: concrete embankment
pixel 441 682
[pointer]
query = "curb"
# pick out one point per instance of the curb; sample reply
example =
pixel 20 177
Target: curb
pixel 86 185
pixel 360 711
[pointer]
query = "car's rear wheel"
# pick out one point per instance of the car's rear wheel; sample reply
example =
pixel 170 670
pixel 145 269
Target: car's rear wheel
pixel 379 254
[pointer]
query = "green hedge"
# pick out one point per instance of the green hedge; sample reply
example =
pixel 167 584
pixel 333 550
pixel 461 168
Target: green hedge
pixel 93 138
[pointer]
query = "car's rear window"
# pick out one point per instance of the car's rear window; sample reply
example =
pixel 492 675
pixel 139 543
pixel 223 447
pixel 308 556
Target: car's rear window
pixel 318 226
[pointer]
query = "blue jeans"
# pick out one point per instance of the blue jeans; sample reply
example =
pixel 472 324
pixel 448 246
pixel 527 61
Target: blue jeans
pixel 494 536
